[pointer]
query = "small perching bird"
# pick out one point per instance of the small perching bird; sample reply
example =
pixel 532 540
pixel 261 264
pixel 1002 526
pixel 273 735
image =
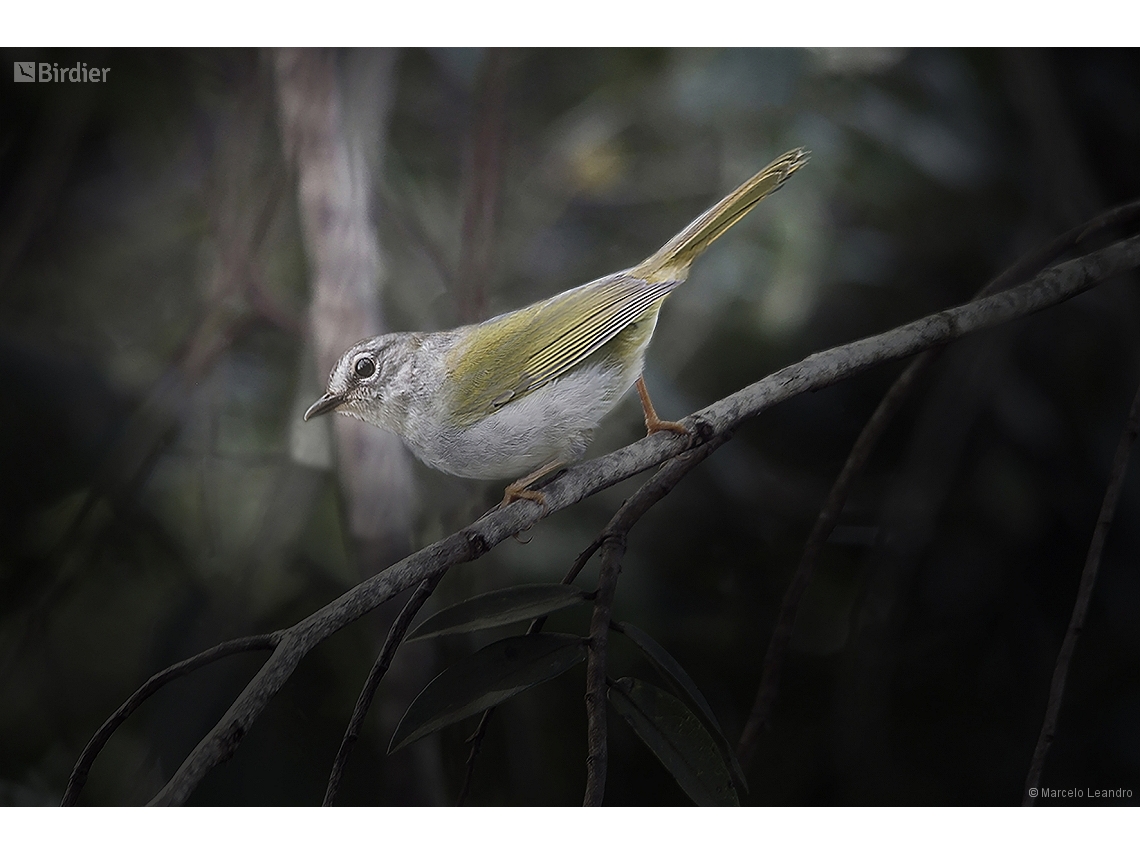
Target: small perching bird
pixel 524 391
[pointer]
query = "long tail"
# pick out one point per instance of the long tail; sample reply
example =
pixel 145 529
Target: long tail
pixel 672 260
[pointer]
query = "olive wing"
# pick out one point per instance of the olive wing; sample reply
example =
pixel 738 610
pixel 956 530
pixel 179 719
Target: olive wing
pixel 503 359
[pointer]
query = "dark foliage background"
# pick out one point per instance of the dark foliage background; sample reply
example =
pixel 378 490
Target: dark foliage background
pixel 159 493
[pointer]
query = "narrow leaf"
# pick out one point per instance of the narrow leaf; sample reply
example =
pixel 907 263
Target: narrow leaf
pixel 682 684
pixel 486 678
pixel 498 608
pixel 679 740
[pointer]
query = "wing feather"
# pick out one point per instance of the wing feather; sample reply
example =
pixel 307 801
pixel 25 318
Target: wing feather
pixel 616 308
pixel 495 363
pixel 505 358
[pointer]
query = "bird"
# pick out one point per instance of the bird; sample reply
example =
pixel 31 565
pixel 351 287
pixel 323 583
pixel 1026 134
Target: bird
pixel 520 394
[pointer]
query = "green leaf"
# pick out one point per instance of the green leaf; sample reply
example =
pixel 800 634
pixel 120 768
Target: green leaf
pixel 679 740
pixel 497 608
pixel 486 678
pixel 681 683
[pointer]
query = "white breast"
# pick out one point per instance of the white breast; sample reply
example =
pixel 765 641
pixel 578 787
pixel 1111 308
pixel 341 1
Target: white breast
pixel 552 423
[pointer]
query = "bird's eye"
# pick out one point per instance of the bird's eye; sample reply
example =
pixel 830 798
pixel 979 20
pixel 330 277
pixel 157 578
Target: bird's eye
pixel 365 367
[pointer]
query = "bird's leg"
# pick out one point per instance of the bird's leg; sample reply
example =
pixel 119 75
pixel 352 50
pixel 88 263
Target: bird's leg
pixel 653 422
pixel 518 489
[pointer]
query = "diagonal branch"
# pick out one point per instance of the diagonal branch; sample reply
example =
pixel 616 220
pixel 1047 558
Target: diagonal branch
pixel 476 738
pixel 825 523
pixel 1028 265
pixel 584 479
pixel 379 669
pixel 632 510
pixel 1081 606
pixel 82 768
pixel 613 540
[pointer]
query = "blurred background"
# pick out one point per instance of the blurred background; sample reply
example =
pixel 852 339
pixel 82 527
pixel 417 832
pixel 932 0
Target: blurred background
pixel 186 248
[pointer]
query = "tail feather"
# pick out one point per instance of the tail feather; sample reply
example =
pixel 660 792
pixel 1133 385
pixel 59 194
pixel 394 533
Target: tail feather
pixel 673 259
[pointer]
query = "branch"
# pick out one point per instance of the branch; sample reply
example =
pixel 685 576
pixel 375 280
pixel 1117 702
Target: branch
pixel 827 367
pixel 584 479
pixel 476 738
pixel 597 755
pixel 613 540
pixel 82 768
pixel 1084 597
pixel 824 525
pixel 379 669
pixel 1028 265
pixel 649 494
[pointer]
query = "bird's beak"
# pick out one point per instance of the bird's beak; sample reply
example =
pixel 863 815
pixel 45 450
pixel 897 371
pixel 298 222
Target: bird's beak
pixel 325 404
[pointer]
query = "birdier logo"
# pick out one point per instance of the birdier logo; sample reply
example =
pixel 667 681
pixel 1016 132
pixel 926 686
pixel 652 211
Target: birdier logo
pixel 51 72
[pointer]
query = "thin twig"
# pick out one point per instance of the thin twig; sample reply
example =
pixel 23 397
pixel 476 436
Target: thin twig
pixel 591 476
pixel 651 492
pixel 1032 262
pixel 776 654
pixel 613 540
pixel 597 754
pixel 82 768
pixel 395 635
pixel 1084 597
pixel 476 738
pixel 825 523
